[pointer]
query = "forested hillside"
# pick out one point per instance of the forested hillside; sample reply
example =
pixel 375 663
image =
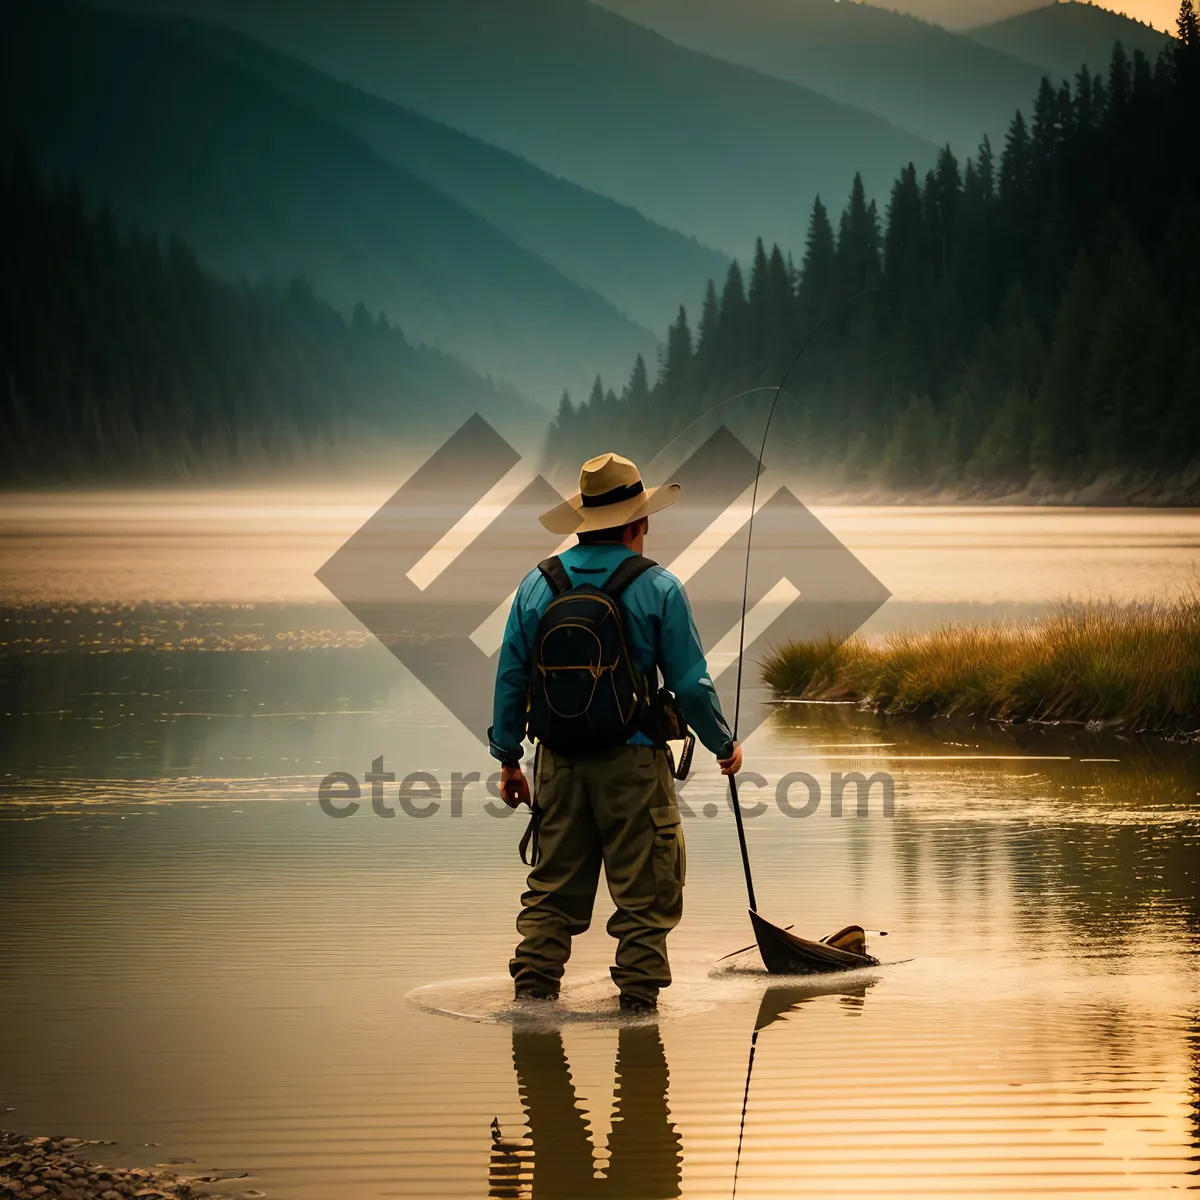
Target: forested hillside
pixel 263 186
pixel 714 150
pixel 639 266
pixel 1042 323
pixel 121 358
pixel 1060 38
pixel 945 86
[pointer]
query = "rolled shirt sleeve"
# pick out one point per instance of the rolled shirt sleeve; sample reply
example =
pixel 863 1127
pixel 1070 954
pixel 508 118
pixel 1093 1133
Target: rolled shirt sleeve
pixel 507 733
pixel 685 671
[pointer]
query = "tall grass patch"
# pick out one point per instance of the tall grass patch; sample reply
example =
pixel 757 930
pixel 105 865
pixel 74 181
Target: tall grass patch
pixel 1133 666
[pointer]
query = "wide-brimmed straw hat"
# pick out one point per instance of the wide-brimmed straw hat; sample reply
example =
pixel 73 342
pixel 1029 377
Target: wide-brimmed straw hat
pixel 611 494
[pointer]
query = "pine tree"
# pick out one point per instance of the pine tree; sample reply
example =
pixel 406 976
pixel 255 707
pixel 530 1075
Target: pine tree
pixel 819 270
pixel 563 436
pixel 1003 453
pixel 964 433
pixel 911 456
pixel 782 306
pixel 943 217
pixel 708 337
pixel 1045 136
pixel 1060 441
pixel 1015 164
pixel 858 243
pixel 860 463
pixel 1184 106
pixel 987 170
pixel 761 332
pixel 903 240
pixel 677 361
pixel 1181 428
pixel 1086 117
pixel 1017 219
pixel 637 392
pixel 1119 85
pixel 1124 378
pixel 596 399
pixel 734 326
pixel 1186 25
pixel 1178 261
pixel 975 280
pixel 1100 99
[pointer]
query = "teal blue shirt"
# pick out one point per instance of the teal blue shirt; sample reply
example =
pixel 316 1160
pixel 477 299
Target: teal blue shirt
pixel 662 637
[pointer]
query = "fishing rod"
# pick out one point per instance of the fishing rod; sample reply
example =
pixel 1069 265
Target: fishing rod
pixel 737 708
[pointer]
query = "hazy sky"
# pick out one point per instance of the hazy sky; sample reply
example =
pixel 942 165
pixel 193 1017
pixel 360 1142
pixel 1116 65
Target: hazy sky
pixel 964 13
pixel 1161 13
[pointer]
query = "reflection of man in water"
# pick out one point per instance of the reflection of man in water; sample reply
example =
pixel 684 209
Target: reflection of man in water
pixel 644 1150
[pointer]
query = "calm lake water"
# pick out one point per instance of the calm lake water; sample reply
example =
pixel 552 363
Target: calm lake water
pixel 200 963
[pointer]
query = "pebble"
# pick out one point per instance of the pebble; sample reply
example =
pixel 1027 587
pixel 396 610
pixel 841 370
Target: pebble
pixel 31 1168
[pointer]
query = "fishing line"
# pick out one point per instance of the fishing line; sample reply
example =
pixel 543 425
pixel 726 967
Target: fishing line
pixel 837 312
pixel 721 404
pixel 737 705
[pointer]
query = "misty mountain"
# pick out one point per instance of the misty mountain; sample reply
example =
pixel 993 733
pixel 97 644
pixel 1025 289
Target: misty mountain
pixel 697 144
pixel 261 185
pixel 122 358
pixel 942 85
pixel 641 267
pixel 963 14
pixel 1060 38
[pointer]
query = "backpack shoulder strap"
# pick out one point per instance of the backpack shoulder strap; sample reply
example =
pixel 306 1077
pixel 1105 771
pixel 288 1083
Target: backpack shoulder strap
pixel 627 571
pixel 556 575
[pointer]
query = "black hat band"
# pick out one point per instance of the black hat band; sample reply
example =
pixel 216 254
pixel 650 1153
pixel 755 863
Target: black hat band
pixel 615 496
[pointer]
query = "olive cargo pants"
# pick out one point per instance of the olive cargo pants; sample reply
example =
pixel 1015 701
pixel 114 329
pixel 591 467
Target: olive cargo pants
pixel 615 808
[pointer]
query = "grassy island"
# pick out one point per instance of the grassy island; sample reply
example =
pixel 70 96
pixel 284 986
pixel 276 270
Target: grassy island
pixel 1133 667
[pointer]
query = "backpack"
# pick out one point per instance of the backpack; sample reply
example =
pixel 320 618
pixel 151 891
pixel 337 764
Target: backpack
pixel 585 691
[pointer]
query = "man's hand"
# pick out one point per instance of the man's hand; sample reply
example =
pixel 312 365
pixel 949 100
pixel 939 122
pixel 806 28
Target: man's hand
pixel 733 764
pixel 514 787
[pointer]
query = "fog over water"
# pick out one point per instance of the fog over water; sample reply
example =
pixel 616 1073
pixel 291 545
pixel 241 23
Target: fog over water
pixel 264 545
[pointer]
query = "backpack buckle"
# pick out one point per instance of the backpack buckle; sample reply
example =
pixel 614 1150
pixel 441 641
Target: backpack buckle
pixel 681 769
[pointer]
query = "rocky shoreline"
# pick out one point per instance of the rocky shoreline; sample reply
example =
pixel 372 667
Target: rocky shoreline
pixel 32 1167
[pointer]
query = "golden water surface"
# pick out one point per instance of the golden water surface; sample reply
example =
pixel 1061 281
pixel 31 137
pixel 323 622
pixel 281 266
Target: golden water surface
pixel 197 962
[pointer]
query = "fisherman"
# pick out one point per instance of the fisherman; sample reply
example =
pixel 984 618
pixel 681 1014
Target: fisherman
pixel 588 635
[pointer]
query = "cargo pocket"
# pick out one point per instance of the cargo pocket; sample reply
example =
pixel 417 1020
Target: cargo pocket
pixel 670 858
